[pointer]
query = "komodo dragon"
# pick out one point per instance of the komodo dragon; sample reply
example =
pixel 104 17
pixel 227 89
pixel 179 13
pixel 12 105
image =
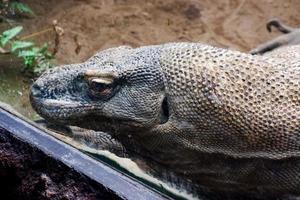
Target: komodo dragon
pixel 226 120
pixel 291 37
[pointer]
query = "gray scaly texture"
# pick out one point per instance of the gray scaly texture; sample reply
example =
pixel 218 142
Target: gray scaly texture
pixel 228 121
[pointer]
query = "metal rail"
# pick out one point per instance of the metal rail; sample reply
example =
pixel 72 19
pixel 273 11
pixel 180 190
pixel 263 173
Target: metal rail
pixel 115 181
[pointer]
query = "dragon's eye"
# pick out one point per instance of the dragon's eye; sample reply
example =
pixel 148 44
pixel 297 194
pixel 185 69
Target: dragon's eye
pixel 100 87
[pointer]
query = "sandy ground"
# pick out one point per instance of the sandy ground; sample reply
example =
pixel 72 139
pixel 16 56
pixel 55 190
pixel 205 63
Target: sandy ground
pixel 92 25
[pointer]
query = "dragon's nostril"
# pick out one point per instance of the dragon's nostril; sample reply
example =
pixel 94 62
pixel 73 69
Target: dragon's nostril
pixel 36 90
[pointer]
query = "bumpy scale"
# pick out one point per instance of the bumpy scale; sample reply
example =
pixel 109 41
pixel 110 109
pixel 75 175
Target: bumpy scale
pixel 226 120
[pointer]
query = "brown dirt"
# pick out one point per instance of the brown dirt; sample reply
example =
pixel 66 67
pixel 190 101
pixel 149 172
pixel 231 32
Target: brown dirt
pixel 92 25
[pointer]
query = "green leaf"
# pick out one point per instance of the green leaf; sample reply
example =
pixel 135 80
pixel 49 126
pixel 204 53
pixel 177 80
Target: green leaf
pixel 21 7
pixel 29 61
pixel 26 53
pixel 20 45
pixel 9 34
pixel 36 50
pixel 44 48
pixel 48 56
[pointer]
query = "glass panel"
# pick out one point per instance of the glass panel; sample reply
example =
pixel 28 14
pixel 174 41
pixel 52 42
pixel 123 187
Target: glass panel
pixel 14 86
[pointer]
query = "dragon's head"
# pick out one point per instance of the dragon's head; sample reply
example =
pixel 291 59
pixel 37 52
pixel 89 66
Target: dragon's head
pixel 119 88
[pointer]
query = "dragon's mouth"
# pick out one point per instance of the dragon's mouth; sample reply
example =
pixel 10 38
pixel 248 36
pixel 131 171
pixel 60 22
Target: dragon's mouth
pixel 58 103
pixel 82 115
pixel 59 111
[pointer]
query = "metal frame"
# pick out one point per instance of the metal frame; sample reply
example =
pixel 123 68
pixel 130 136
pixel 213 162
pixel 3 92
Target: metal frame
pixel 115 181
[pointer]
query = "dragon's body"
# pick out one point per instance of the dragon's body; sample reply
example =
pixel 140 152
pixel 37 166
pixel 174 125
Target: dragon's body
pixel 226 120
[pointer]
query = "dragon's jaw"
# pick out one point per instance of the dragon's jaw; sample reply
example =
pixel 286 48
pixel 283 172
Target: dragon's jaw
pixel 85 116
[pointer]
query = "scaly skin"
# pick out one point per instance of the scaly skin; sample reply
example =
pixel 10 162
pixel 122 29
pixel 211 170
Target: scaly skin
pixel 228 121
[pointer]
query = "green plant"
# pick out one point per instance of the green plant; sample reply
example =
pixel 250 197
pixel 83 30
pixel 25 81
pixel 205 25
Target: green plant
pixel 20 7
pixel 9 8
pixel 36 59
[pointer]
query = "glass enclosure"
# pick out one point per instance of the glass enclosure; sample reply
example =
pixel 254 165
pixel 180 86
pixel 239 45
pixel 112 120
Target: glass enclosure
pixel 38 35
